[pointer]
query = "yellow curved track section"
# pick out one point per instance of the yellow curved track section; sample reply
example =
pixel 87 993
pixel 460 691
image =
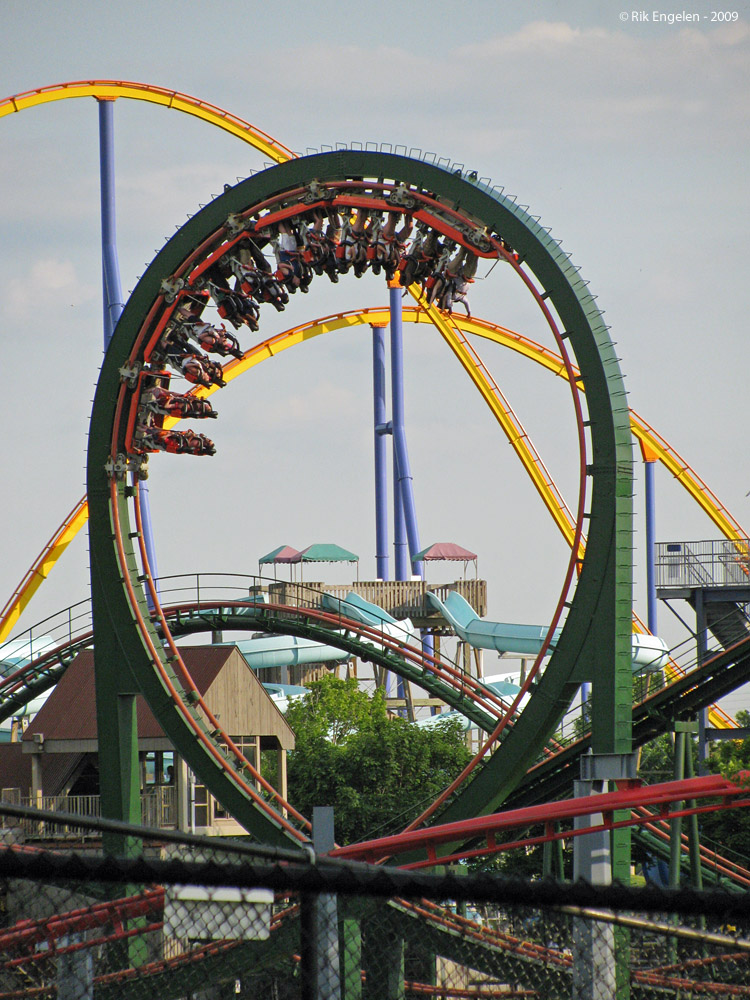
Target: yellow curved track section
pixel 642 430
pixel 111 90
pixel 272 346
pixel 42 567
pixel 659 449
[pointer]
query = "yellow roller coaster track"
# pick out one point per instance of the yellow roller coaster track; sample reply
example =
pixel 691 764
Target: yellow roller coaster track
pixel 503 412
pixel 42 567
pixel 111 90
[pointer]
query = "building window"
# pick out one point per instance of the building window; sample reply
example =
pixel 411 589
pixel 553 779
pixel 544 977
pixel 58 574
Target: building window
pixel 201 806
pixel 246 745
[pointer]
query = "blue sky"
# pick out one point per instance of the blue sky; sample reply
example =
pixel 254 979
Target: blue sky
pixel 629 139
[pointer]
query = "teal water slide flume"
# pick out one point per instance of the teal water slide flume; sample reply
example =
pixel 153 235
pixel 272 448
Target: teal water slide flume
pixel 649 651
pixel 359 610
pixel 268 651
pixel 499 683
pixel 264 652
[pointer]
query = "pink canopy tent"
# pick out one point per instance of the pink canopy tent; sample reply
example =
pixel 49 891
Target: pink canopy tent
pixel 448 552
pixel 282 554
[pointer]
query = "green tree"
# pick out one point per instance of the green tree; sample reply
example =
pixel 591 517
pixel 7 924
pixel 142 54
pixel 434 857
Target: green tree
pixel 730 828
pixel 335 709
pixel 376 771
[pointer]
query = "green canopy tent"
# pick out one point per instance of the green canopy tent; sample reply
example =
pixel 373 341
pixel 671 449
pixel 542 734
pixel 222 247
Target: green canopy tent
pixel 326 552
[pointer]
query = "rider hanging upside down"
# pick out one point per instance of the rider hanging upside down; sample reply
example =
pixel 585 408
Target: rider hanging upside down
pixel 198 369
pixel 190 307
pixel 289 261
pixel 452 285
pixel 215 339
pixel 234 306
pixel 254 277
pixel 388 246
pixel 352 249
pixel 176 442
pixel 423 255
pixel 320 247
pixel 173 404
pixel 333 238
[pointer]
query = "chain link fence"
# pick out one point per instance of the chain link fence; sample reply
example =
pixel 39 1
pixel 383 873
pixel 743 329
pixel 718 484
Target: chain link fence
pixel 173 916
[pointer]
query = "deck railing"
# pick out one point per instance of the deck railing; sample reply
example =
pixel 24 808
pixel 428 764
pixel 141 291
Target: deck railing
pixel 708 563
pixel 400 598
pixel 158 811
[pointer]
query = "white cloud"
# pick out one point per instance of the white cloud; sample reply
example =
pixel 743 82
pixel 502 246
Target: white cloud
pixel 545 82
pixel 546 37
pixel 50 284
pixel 603 83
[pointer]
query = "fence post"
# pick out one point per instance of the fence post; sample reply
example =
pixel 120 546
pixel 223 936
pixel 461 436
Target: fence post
pixel 319 944
pixel 308 946
pixel 75 972
pixel 600 955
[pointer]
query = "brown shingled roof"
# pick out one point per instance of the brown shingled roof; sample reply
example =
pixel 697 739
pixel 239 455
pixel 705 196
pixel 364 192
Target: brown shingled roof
pixel 70 711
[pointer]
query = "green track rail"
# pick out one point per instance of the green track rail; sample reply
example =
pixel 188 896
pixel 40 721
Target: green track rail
pixel 275 624
pixel 222 617
pixel 595 642
pixel 680 700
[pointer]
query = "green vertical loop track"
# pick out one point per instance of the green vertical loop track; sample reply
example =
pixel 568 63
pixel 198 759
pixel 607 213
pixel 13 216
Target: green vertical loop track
pixel 595 643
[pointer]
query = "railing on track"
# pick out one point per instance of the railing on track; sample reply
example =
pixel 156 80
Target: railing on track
pixel 399 598
pixel 211 589
pixel 55 630
pixel 51 643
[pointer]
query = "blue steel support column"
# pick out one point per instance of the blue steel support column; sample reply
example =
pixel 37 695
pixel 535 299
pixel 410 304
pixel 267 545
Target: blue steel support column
pixel 400 543
pixel 381 471
pixel 400 553
pixel 405 513
pixel 111 287
pixel 120 784
pixel 402 470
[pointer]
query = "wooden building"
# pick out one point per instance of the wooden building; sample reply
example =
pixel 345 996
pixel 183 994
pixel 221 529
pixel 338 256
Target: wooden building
pixel 56 762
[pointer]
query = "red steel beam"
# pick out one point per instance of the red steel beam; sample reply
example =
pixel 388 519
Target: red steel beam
pixel 485 827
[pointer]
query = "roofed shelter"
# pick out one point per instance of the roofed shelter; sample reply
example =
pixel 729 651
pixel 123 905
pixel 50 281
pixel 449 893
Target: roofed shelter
pixel 66 725
pixel 282 554
pixel 447 552
pixel 325 552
